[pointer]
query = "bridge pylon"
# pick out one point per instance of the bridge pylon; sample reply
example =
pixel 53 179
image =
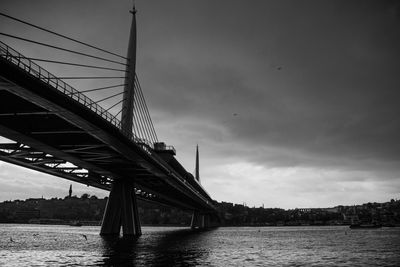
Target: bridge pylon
pixel 204 220
pixel 121 209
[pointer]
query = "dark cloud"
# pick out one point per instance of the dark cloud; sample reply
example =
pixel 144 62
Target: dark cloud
pixel 335 97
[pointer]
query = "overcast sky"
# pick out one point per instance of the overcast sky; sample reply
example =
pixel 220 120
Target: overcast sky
pixel 292 103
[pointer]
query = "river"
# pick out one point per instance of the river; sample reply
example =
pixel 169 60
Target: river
pixel 50 245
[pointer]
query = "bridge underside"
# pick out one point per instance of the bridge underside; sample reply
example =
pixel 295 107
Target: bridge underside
pixel 57 135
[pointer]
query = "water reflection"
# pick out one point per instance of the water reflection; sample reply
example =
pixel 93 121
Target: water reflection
pixel 118 251
pixel 182 247
pixel 46 245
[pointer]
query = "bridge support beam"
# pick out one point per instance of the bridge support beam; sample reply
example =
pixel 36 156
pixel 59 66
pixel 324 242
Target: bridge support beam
pixel 121 210
pixel 200 220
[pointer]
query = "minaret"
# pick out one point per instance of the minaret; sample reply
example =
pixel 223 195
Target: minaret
pixel 70 191
pixel 130 76
pixel 197 176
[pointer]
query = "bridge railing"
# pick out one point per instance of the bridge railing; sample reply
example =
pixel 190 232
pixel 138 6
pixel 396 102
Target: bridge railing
pixel 29 66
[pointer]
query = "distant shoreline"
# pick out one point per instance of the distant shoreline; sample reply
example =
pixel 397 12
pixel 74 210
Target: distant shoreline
pixel 83 223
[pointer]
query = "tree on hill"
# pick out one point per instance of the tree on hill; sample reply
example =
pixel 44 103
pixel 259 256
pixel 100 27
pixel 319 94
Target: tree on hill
pixel 85 196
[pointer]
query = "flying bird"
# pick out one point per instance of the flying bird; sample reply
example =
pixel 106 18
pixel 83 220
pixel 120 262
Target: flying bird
pixel 84 236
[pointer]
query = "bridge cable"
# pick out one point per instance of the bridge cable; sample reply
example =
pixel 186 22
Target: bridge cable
pixel 101 88
pixel 121 109
pixel 81 78
pixel 61 35
pixel 140 114
pixel 143 116
pixel 147 110
pixel 68 63
pixel 61 48
pixel 138 122
pixel 119 102
pixel 136 130
pixel 138 109
pixel 118 113
pixel 145 124
pixel 141 122
pixel 148 115
pixel 135 127
pixel 108 97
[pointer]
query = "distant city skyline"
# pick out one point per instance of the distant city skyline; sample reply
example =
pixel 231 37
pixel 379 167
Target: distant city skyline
pixel 294 104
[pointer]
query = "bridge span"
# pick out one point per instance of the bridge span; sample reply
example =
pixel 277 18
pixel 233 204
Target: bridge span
pixel 60 131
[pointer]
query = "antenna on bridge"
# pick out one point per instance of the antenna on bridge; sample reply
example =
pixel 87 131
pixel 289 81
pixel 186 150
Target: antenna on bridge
pixel 129 89
pixel 197 174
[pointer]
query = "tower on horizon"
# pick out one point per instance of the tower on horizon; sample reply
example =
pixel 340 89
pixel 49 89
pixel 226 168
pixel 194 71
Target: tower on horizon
pixel 197 172
pixel 70 191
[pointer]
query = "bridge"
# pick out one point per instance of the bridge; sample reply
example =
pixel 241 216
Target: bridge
pixel 57 129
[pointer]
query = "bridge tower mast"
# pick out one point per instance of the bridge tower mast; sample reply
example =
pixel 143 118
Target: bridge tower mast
pixel 121 208
pixel 130 76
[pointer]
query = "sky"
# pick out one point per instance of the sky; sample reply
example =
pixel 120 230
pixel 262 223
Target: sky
pixel 293 104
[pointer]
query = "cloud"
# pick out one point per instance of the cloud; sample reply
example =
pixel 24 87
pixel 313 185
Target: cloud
pixel 290 187
pixel 218 103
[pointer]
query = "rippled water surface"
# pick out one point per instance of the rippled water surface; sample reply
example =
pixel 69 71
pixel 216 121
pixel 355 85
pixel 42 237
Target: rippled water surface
pixel 45 245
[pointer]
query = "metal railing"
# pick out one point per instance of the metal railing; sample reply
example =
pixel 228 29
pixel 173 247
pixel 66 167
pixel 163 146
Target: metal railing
pixel 35 70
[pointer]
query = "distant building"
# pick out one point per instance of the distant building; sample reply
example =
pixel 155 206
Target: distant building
pixel 333 210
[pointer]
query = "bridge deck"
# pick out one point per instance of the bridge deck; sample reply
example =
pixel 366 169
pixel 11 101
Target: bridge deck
pixel 59 134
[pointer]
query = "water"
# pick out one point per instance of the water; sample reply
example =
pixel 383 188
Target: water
pixel 45 245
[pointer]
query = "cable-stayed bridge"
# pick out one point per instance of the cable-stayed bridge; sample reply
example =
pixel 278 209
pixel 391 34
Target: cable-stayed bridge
pixel 59 130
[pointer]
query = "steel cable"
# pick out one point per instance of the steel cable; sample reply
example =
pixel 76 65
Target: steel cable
pixel 143 113
pixel 60 48
pixel 147 110
pixel 61 35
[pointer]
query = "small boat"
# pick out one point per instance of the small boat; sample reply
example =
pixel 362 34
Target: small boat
pixel 365 226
